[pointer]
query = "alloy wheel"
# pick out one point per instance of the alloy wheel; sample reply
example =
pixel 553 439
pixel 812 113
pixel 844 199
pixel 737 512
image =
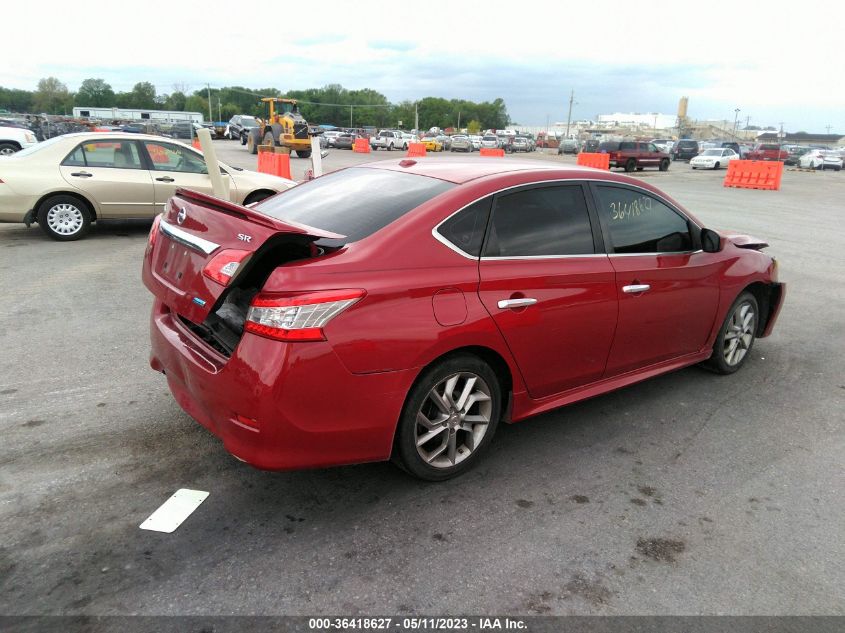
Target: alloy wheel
pixel 453 419
pixel 65 219
pixel 6 151
pixel 739 333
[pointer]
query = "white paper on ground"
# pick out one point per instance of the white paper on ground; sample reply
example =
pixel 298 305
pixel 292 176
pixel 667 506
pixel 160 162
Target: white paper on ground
pixel 173 512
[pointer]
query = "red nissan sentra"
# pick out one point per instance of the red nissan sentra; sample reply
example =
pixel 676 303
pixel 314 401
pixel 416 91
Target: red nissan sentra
pixel 401 309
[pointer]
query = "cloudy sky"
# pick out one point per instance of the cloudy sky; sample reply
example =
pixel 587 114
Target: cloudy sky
pixel 781 62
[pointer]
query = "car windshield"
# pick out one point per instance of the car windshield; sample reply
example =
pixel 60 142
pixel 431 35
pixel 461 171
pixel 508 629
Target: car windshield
pixel 458 137
pixel 712 152
pixel 354 202
pixel 489 138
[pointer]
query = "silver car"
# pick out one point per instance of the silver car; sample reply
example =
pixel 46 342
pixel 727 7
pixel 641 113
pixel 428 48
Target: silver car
pixel 490 141
pixel 461 143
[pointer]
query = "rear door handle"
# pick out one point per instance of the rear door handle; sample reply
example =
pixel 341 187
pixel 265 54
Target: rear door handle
pixel 166 179
pixel 636 288
pixel 81 174
pixel 509 304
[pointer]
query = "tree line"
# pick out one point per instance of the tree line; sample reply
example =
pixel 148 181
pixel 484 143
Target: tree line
pixel 332 104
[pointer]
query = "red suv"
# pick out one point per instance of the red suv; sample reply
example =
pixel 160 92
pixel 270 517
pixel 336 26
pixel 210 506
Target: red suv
pixel 767 151
pixel 435 300
pixel 631 155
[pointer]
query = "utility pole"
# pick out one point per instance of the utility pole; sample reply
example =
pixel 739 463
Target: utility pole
pixel 780 138
pixel 736 120
pixel 569 116
pixel 350 115
pixel 827 127
pixel 210 115
pixel 416 118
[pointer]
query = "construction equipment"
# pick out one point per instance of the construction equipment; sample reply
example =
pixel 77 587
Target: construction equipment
pixel 283 127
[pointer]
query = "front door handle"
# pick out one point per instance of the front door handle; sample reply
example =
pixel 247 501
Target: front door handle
pixel 636 288
pixel 509 304
pixel 81 174
pixel 166 179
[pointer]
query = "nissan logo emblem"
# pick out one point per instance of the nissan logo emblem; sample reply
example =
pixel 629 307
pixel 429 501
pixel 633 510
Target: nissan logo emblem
pixel 180 217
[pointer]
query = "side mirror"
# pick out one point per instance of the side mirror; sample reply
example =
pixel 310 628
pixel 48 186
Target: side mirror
pixel 711 242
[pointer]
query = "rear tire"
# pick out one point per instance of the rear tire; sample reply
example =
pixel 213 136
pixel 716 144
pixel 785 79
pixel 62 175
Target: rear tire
pixel 64 218
pixel 456 403
pixel 664 165
pixel 303 153
pixel 736 336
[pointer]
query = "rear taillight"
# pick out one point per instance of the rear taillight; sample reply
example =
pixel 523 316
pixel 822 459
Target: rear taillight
pixel 297 317
pixel 224 265
pixel 151 242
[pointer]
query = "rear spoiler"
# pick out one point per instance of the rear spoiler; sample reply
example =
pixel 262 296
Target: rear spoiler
pixel 251 215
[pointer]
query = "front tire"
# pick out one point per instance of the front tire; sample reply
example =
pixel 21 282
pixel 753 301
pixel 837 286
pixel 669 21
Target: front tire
pixel 7 149
pixel 736 336
pixel 716 166
pixel 303 153
pixel 64 218
pixel 631 165
pixel 449 418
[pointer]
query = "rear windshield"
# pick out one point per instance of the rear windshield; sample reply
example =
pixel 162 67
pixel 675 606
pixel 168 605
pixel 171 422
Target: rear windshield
pixel 687 144
pixel 770 147
pixel 354 202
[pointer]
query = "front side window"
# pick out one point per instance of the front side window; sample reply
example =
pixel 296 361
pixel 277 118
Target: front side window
pixel 169 157
pixel 543 221
pixel 113 154
pixel 640 223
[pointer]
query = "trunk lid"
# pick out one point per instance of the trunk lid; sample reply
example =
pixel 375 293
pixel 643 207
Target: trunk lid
pixel 196 230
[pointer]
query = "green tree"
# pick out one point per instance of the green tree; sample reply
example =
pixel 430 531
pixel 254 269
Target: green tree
pixel 195 103
pixel 95 93
pixel 16 100
pixel 474 127
pixel 51 96
pixel 142 96
pixel 175 101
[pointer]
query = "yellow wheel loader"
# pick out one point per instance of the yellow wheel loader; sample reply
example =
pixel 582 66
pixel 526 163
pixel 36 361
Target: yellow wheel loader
pixel 283 127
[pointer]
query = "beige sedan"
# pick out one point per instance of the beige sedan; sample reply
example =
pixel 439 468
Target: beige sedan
pixel 69 181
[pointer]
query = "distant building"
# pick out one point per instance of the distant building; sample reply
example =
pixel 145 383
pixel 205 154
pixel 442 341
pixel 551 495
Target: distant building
pixel 639 119
pixel 802 138
pixel 131 114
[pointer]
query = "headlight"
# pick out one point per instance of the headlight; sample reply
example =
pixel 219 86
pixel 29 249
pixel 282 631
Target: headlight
pixel 30 138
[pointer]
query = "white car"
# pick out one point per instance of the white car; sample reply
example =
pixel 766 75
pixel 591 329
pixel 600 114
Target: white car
pixel 821 159
pixel 713 158
pixel 14 139
pixel 476 142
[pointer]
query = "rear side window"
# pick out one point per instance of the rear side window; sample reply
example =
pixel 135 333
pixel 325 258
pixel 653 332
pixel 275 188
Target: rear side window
pixel 640 223
pixel 540 222
pixel 465 229
pixel 114 154
pixel 627 145
pixel 609 146
pixel 354 202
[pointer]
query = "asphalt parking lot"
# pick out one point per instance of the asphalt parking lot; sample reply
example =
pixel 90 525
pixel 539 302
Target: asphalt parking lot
pixel 690 493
